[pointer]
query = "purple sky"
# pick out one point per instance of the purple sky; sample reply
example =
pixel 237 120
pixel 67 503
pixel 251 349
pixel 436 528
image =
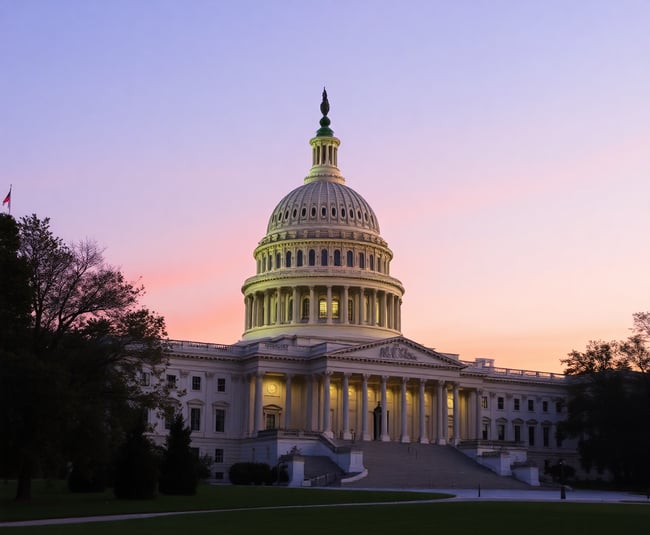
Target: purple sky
pixel 505 147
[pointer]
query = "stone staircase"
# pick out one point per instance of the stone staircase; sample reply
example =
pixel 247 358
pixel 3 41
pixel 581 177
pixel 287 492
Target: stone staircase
pixel 322 471
pixel 395 465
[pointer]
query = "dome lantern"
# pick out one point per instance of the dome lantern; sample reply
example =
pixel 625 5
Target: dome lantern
pixel 325 150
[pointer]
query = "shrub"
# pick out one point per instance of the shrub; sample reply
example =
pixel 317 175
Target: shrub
pixel 136 467
pixel 250 473
pixel 179 470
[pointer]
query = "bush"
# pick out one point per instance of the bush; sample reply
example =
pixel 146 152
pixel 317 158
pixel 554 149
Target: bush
pixel 250 473
pixel 136 467
pixel 87 479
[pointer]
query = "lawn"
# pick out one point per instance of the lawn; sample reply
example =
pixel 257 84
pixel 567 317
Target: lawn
pixel 458 518
pixel 52 500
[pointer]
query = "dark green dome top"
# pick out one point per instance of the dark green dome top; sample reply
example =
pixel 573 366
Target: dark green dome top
pixel 325 130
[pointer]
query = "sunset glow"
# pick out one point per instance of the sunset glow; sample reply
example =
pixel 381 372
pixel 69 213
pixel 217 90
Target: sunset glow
pixel 504 146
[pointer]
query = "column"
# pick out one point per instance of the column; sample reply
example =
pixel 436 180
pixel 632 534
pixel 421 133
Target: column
pixel 385 437
pixel 267 308
pixel 346 407
pixel 373 307
pixel 327 424
pixel 278 307
pixel 404 436
pixel 456 416
pixel 287 401
pixel 383 319
pixel 442 413
pixel 362 307
pixel 258 414
pixel 296 306
pixel 364 409
pixel 312 305
pixel 329 304
pixel 246 313
pixel 479 417
pixel 344 306
pixel 423 430
pixel 310 403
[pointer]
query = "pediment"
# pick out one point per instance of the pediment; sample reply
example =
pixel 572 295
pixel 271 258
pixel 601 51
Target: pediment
pixel 399 350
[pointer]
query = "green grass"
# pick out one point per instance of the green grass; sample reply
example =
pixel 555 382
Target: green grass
pixel 52 500
pixel 484 518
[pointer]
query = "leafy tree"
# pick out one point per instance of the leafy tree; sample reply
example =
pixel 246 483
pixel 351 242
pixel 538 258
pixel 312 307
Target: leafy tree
pixel 609 404
pixel 179 469
pixel 72 392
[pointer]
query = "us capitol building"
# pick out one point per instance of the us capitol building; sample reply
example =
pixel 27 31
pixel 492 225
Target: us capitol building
pixel 323 371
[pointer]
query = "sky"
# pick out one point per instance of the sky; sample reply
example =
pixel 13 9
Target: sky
pixel 504 146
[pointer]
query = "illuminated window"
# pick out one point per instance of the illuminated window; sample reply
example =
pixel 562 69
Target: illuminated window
pixel 335 308
pixel 322 308
pixel 484 402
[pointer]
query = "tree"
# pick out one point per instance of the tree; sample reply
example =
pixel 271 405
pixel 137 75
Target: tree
pixel 609 405
pixel 179 469
pixel 136 467
pixel 75 383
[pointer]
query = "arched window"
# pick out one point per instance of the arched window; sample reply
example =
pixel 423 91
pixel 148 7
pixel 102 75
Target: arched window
pixel 379 264
pixel 349 259
pixel 278 260
pixel 312 257
pixel 336 314
pixel 305 308
pixel 299 258
pixel 322 308
pixel 337 257
pixel 362 261
pixel 287 262
pixel 372 262
pixel 323 257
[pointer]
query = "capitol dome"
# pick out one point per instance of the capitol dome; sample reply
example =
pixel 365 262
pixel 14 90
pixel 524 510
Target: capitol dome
pixel 323 270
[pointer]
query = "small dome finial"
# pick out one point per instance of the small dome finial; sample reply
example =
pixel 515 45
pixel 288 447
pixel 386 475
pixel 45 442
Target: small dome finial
pixel 325 105
pixel 325 130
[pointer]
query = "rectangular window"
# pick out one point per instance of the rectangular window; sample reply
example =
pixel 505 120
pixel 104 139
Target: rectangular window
pixel 218 475
pixel 270 421
pixel 221 384
pixel 195 419
pixel 171 381
pixel 322 308
pixel 546 436
pixel 218 455
pixel 517 433
pixel 501 432
pixel 196 383
pixel 219 420
pixel 517 401
pixel 531 405
pixel 545 406
pixel 145 378
pixel 558 407
pixel 500 404
pixel 531 436
pixel 484 402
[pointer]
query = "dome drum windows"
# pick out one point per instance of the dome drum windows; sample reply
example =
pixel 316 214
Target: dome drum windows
pixel 324 256
pixel 299 259
pixel 312 257
pixel 350 259
pixel 337 257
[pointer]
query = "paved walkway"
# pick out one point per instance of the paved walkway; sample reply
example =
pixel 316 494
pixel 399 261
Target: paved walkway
pixel 464 495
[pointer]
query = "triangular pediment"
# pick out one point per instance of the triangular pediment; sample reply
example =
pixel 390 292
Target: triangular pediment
pixel 399 350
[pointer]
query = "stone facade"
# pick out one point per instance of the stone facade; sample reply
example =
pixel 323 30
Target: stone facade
pixel 322 359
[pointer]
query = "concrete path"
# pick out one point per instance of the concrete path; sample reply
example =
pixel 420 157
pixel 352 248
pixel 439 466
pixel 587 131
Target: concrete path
pixel 464 495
